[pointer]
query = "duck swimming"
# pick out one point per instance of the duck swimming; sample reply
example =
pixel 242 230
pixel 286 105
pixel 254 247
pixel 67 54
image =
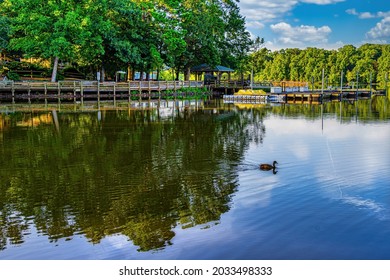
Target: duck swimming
pixel 266 166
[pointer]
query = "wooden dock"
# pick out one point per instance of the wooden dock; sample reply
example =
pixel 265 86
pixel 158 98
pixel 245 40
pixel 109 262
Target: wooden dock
pixel 80 90
pixel 312 97
pixel 253 98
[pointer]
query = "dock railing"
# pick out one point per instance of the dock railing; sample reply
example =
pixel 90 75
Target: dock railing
pixel 95 86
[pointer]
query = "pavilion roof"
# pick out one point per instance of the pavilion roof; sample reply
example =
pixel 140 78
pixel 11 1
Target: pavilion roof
pixel 206 68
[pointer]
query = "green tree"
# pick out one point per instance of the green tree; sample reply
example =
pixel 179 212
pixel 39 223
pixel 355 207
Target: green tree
pixel 236 41
pixel 214 32
pixel 367 63
pixel 384 66
pixel 259 59
pixel 52 29
pixel 280 66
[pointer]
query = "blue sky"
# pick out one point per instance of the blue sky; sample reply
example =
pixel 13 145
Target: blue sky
pixel 327 24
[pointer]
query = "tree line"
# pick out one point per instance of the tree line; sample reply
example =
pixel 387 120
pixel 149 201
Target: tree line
pixel 143 35
pixel 365 64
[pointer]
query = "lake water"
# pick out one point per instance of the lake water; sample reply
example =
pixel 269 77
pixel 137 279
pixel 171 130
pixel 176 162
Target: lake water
pixel 183 182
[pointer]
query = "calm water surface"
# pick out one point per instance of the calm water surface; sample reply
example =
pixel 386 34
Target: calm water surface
pixel 182 182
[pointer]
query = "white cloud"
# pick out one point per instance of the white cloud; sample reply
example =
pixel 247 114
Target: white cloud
pixel 383 14
pixel 352 12
pixel 298 35
pixel 271 10
pixel 259 14
pixel 367 15
pixel 255 24
pixel 322 2
pixel 266 10
pixel 381 31
pixel 274 45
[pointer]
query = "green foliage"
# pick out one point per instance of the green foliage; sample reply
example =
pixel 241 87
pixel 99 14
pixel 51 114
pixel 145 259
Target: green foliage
pixel 143 35
pixel 13 76
pixel 49 29
pixel 4 24
pixel 16 65
pixel 369 62
pixel 214 33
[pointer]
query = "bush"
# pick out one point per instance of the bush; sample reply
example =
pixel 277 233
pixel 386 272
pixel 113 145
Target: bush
pixel 13 76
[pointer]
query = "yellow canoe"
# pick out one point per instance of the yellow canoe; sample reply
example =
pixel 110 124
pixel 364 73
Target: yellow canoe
pixel 250 92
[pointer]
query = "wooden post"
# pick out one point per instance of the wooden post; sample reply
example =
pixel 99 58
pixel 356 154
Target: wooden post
pixel 13 91
pixel 166 90
pixel 322 87
pixel 159 92
pixel 140 91
pixel 341 81
pixel 59 92
pixel 174 90
pixel 149 90
pixel 82 93
pixel 129 91
pixel 74 92
pixel 98 92
pixel 114 94
pixel 45 87
pixel 29 92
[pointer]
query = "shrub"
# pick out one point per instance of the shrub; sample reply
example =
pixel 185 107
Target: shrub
pixel 13 76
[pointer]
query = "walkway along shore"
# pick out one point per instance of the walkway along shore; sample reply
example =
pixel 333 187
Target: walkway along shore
pixel 92 90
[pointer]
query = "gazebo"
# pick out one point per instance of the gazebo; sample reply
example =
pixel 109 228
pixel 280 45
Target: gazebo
pixel 209 72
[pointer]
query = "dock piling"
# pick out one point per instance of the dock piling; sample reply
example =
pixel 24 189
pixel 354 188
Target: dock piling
pixel 114 95
pixel 74 92
pixel 98 92
pixel 29 93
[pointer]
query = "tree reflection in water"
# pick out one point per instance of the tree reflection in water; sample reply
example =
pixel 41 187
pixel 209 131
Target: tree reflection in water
pixel 131 172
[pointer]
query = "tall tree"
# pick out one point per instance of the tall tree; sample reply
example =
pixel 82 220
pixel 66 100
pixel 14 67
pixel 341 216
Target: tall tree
pixel 50 29
pixel 384 66
pixel 214 32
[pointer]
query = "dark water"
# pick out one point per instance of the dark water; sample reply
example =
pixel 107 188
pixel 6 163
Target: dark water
pixel 183 182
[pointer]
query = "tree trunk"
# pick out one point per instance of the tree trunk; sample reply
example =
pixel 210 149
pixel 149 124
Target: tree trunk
pixel 55 70
pixel 129 73
pixel 177 74
pixel 187 74
pixel 103 73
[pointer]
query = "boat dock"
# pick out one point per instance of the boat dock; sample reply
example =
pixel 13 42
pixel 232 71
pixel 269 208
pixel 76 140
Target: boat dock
pixel 301 97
